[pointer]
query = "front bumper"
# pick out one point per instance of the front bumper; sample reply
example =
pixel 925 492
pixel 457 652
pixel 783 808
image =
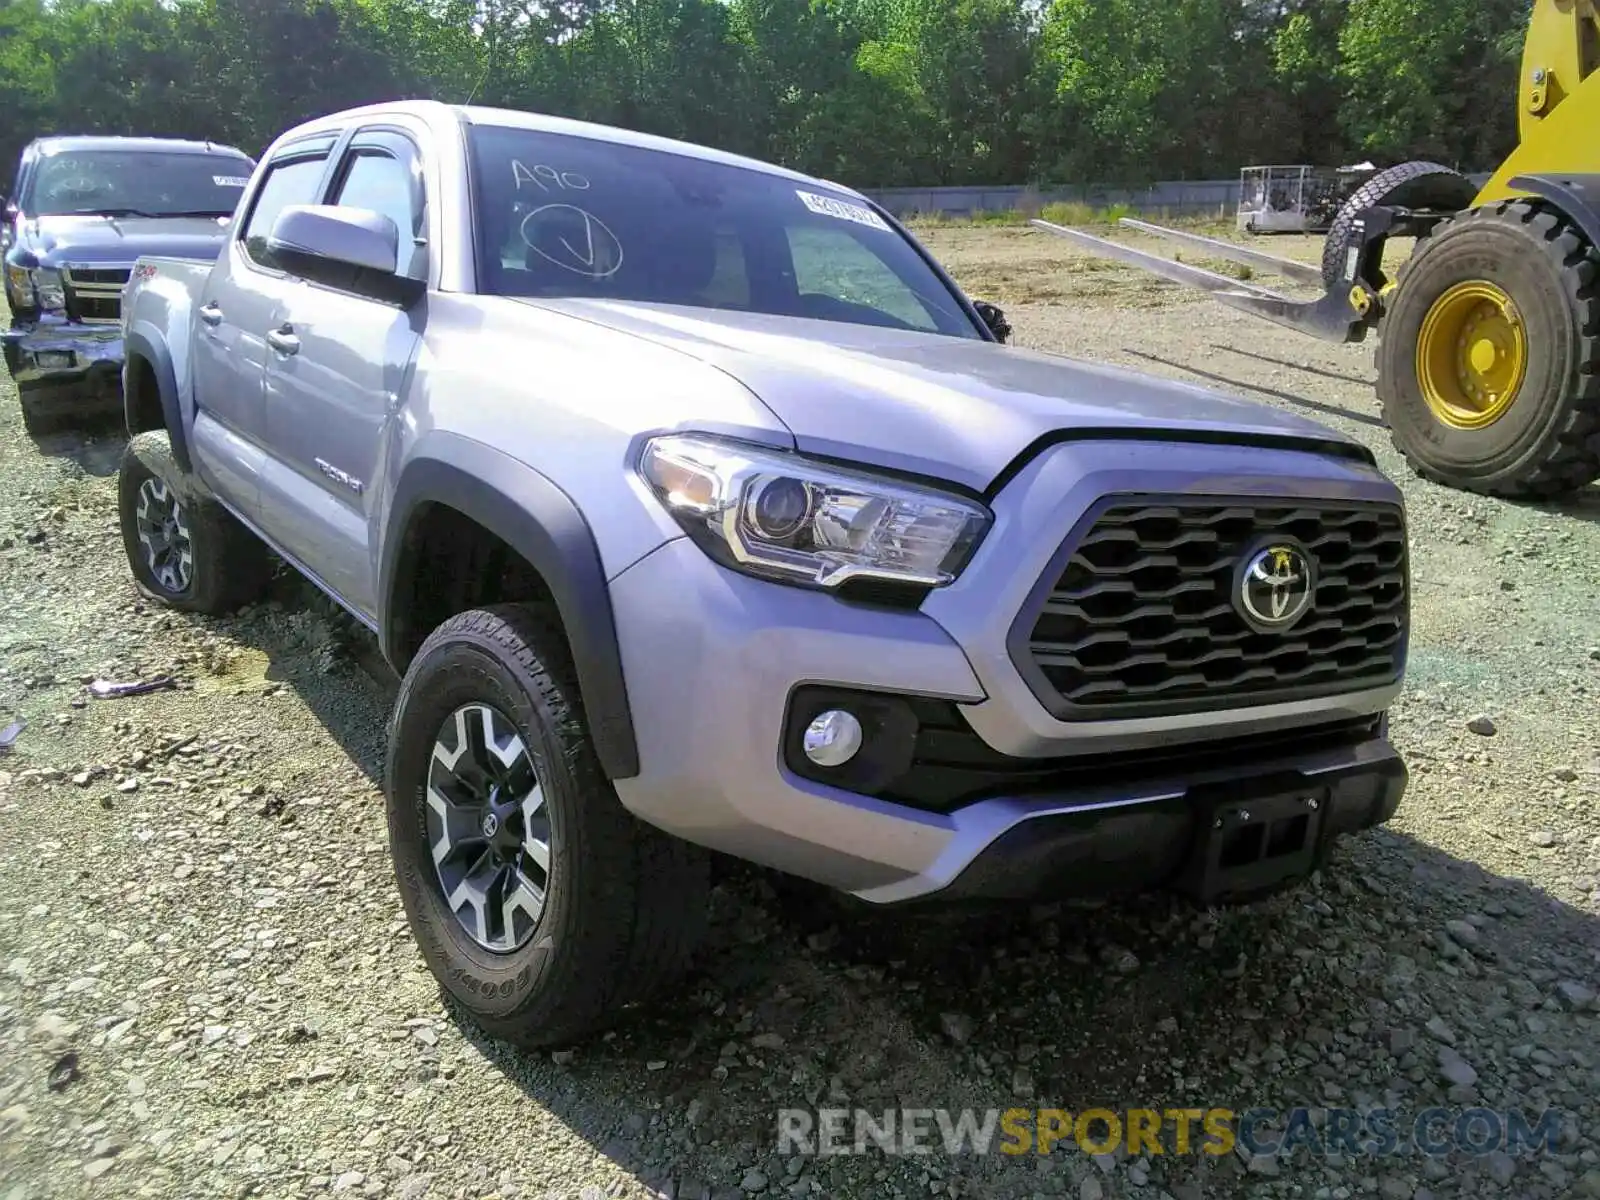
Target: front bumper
pixel 716 663
pixel 54 353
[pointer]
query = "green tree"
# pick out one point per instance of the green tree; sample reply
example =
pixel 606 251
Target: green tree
pixel 1432 79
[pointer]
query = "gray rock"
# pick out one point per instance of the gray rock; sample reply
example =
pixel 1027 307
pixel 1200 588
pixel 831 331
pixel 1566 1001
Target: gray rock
pixel 1542 837
pixel 1502 1167
pixel 754 1181
pixel 957 1027
pixel 1464 933
pixel 1265 1165
pixel 1482 725
pixel 1091 1188
pixel 1575 995
pixel 1457 1070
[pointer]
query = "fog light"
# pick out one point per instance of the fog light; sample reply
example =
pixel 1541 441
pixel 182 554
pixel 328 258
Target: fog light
pixel 832 738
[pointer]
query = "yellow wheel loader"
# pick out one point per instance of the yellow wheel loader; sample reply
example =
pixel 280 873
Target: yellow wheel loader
pixel 1488 334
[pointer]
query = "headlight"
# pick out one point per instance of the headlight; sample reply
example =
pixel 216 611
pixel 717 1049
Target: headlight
pixel 19 288
pixel 39 287
pixel 52 297
pixel 786 517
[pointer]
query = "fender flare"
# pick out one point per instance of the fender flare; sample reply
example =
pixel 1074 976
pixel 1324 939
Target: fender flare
pixel 138 344
pixel 1578 196
pixel 544 526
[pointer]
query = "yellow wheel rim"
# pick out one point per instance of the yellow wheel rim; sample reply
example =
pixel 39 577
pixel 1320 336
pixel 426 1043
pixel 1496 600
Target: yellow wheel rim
pixel 1472 355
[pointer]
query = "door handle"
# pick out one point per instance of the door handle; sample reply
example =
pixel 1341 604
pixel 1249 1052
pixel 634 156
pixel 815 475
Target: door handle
pixel 211 314
pixel 284 341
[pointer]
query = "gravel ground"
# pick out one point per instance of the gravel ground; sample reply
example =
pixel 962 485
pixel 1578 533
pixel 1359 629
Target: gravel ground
pixel 207 987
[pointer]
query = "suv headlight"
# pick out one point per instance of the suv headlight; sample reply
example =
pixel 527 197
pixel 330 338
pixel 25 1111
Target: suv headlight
pixel 48 289
pixel 36 287
pixel 19 288
pixel 786 517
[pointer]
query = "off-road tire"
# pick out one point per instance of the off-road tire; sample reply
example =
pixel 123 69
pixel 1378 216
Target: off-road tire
pixel 1424 185
pixel 1548 442
pixel 625 904
pixel 230 565
pixel 38 420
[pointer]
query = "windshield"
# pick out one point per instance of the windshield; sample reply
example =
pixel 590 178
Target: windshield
pixel 568 216
pixel 136 183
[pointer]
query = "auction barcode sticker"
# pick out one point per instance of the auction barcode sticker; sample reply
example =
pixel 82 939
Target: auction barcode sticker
pixel 827 206
pixel 229 180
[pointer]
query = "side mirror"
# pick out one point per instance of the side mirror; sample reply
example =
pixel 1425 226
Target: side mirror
pixel 353 248
pixel 995 319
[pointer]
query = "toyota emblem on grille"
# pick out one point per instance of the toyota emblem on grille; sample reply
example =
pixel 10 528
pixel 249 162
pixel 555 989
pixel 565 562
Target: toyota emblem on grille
pixel 1276 586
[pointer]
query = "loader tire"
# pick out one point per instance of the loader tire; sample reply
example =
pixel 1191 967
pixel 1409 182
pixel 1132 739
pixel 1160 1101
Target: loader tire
pixel 1504 299
pixel 1410 185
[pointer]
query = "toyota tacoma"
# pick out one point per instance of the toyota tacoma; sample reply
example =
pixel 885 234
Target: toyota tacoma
pixel 701 512
pixel 80 210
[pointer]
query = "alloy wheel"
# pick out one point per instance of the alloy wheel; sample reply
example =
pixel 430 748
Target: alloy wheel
pixel 488 828
pixel 164 535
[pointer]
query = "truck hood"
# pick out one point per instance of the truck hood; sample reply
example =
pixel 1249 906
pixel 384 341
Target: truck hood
pixel 120 240
pixel 949 408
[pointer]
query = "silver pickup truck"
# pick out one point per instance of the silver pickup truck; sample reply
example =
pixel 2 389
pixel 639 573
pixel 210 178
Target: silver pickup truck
pixel 701 512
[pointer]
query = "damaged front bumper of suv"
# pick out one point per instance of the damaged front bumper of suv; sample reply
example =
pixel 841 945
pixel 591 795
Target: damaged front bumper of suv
pixel 50 352
pixel 980 778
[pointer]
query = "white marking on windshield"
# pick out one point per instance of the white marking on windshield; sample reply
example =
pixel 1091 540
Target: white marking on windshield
pixel 598 252
pixel 545 177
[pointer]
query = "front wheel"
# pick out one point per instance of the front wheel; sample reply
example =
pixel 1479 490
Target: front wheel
pixel 184 548
pixel 1488 354
pixel 539 903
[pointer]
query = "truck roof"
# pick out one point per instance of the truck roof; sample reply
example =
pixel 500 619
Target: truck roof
pixel 431 111
pixel 57 143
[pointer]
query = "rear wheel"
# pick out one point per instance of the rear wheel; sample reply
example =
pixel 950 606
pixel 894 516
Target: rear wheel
pixel 1420 185
pixel 183 547
pixel 37 418
pixel 1488 354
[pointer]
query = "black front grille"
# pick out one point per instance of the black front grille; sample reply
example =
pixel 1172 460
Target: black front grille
pixel 95 293
pixel 103 276
pixel 1141 619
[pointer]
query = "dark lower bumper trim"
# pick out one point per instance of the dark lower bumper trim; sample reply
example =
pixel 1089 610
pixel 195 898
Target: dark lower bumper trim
pixel 1118 851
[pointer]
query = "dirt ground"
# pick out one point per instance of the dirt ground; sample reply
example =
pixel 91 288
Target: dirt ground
pixel 207 988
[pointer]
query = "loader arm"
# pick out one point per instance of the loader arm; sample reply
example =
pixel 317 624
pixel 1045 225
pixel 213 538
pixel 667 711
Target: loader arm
pixel 1558 98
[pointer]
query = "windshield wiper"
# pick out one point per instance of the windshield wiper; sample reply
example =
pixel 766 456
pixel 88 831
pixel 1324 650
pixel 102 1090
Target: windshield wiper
pixel 198 212
pixel 108 212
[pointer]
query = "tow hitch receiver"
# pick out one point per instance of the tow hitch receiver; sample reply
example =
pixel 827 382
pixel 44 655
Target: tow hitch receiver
pixel 1246 845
